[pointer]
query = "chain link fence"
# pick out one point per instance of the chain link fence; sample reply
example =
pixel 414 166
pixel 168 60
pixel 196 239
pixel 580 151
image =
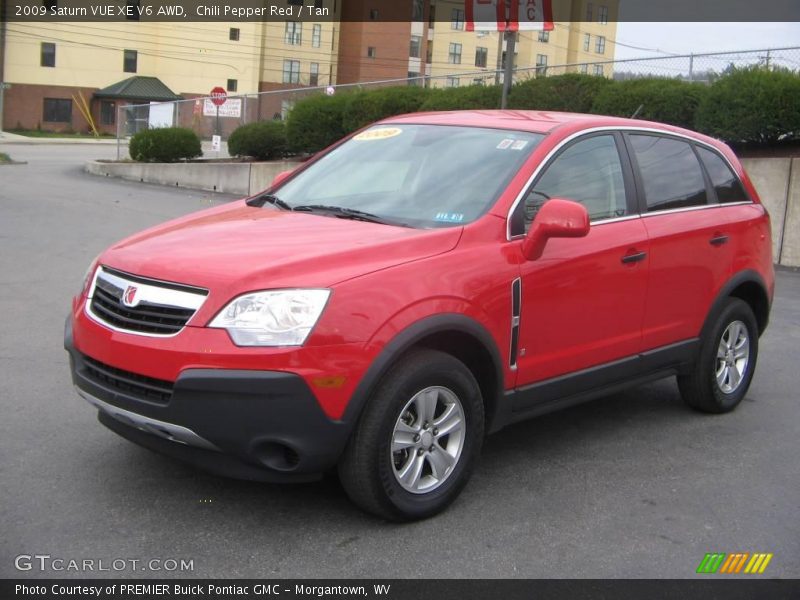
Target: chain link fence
pixel 209 120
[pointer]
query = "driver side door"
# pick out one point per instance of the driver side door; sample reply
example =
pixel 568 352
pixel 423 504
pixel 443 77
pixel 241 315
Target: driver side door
pixel 582 301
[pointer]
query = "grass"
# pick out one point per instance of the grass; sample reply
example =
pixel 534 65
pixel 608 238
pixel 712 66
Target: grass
pixel 36 133
pixel 4 158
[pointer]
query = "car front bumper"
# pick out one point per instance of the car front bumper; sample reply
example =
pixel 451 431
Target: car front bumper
pixel 248 424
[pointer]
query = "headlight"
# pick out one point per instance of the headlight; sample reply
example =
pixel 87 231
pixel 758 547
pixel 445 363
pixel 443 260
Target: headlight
pixel 272 318
pixel 87 278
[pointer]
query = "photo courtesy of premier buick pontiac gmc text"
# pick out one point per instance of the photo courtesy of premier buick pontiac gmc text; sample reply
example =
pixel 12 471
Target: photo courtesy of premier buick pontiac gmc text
pixel 421 284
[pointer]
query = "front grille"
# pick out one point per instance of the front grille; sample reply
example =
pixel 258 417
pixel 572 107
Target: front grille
pixel 162 308
pixel 133 384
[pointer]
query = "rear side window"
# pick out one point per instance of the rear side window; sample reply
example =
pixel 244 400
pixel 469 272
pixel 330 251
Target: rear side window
pixel 590 172
pixel 670 171
pixel 726 185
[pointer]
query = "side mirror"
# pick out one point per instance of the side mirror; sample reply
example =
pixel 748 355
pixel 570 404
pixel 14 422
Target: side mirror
pixel 281 176
pixel 556 219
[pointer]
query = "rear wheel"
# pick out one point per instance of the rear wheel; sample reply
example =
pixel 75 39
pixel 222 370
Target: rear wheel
pixel 727 361
pixel 416 443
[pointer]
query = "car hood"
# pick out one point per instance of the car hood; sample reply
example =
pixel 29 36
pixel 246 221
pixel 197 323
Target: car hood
pixel 238 248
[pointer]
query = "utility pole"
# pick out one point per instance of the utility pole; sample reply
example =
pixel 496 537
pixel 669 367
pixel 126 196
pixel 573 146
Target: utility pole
pixel 508 74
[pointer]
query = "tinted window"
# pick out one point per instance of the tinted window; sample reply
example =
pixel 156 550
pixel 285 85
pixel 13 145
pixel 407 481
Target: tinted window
pixel 726 184
pixel 589 171
pixel 672 175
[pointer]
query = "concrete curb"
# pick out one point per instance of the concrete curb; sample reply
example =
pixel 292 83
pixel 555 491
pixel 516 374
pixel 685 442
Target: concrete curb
pixel 229 178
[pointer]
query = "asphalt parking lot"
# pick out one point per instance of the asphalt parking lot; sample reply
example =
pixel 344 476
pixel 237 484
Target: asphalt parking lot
pixel 633 485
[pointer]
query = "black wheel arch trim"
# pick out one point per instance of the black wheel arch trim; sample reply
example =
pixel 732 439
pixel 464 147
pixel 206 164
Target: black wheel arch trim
pixel 407 339
pixel 740 278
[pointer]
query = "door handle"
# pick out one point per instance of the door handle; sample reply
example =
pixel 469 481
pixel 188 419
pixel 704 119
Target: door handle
pixel 633 258
pixel 718 240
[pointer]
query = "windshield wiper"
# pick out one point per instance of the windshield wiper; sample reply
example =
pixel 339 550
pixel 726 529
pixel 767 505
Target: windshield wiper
pixel 346 213
pixel 263 199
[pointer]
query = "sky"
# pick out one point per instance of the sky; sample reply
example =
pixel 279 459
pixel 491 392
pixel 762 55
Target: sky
pixel 685 38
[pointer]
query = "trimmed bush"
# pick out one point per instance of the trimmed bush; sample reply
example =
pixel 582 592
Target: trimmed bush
pixel 752 105
pixel 572 92
pixel 366 107
pixel 666 100
pixel 471 97
pixel 167 144
pixel 265 140
pixel 316 122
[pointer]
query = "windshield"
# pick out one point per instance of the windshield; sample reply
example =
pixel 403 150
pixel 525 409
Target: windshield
pixel 415 175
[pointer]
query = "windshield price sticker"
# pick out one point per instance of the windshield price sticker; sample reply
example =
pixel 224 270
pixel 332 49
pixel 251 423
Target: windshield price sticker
pixel 378 134
pixel 447 217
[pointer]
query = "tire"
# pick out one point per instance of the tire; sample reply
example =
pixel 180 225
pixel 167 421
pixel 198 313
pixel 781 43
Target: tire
pixel 395 467
pixel 725 366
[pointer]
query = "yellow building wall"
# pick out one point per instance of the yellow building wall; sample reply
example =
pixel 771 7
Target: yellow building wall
pixel 276 50
pixel 188 58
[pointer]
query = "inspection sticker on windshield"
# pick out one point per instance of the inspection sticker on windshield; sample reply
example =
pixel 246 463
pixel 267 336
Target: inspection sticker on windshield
pixel 505 144
pixel 378 134
pixel 447 217
pixel 519 144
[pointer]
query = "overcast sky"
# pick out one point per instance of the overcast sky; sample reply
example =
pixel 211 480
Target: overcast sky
pixel 685 38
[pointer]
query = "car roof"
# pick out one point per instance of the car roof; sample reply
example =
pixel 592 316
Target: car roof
pixel 529 120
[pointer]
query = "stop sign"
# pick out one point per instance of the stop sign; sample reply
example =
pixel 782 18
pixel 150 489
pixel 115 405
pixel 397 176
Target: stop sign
pixel 218 96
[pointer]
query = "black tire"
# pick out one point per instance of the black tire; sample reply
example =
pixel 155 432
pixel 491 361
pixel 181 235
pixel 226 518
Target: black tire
pixel 700 388
pixel 368 466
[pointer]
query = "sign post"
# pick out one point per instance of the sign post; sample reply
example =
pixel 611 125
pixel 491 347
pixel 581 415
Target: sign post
pixel 218 96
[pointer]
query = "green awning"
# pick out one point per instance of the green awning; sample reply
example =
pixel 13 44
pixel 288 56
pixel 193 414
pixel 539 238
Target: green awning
pixel 138 88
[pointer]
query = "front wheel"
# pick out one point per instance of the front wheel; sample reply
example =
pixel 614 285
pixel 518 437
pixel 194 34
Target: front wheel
pixel 724 369
pixel 416 443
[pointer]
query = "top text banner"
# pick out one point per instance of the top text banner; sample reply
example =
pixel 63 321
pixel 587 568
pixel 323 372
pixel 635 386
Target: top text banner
pixel 319 11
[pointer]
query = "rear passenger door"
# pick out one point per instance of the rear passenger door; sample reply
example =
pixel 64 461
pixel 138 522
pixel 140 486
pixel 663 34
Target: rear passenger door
pixel 690 257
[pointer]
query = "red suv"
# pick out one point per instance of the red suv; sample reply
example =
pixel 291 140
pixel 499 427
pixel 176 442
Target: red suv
pixel 420 284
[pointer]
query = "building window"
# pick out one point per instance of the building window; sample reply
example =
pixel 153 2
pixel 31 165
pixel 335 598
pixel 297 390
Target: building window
pixel 57 110
pixel 598 69
pixel 233 34
pixel 293 34
pixel 602 15
pixel 600 45
pixel 48 58
pixel 457 19
pixel 108 112
pixel 584 68
pixel 415 46
pixel 418 11
pixel 372 52
pixel 541 64
pixel 481 56
pixel 233 84
pixel 544 36
pixel 313 78
pixel 454 56
pixel 291 71
pixel 429 53
pixel 587 42
pixel 316 36
pixel 589 10
pixel 414 78
pixel 373 14
pixel 452 82
pixel 130 60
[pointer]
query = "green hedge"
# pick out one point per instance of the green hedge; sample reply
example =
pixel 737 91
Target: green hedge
pixel 265 140
pixel 752 105
pixel 167 144
pixel 665 100
pixel 463 98
pixel 365 107
pixel 316 122
pixel 572 92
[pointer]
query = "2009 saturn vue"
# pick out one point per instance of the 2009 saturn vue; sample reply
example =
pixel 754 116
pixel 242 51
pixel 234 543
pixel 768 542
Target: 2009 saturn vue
pixel 427 281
